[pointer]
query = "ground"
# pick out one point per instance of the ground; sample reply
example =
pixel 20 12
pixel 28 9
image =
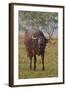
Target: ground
pixel 50 62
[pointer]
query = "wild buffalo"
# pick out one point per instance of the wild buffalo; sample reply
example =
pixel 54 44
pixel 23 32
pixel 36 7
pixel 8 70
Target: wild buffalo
pixel 35 43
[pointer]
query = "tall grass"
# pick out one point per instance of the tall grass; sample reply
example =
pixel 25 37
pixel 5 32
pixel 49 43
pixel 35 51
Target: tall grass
pixel 50 62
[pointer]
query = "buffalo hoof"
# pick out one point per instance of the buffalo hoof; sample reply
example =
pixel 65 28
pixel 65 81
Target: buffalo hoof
pixel 43 69
pixel 34 69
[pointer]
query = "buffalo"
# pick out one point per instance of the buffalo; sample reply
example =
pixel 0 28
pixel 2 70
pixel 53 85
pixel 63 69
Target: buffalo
pixel 35 43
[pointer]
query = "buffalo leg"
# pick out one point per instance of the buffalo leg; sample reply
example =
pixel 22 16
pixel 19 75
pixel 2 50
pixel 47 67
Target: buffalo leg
pixel 34 62
pixel 30 63
pixel 42 56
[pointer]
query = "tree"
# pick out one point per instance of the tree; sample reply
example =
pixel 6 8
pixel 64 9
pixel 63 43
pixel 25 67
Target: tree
pixel 46 21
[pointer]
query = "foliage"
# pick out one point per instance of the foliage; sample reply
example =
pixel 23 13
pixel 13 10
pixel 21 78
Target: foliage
pixel 46 21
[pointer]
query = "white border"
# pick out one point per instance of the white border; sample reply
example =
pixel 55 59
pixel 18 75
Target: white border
pixel 60 45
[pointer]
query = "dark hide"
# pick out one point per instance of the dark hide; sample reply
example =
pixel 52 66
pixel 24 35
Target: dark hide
pixel 35 43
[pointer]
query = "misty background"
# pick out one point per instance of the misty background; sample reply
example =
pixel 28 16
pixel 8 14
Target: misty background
pixel 47 22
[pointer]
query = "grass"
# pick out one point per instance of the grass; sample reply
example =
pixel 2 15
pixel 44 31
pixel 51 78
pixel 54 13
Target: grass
pixel 51 62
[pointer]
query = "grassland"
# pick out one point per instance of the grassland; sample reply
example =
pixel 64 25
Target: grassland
pixel 51 62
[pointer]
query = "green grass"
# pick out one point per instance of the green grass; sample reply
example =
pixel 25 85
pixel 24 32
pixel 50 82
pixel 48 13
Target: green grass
pixel 50 62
